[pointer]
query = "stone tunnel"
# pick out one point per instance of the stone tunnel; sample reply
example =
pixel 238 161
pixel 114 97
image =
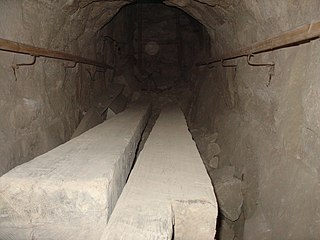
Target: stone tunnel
pixel 151 119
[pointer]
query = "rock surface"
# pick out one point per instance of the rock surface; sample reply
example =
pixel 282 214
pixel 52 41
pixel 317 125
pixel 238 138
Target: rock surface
pixel 207 146
pixel 214 162
pixel 225 231
pixel 268 130
pixel 256 227
pixel 212 150
pixel 228 192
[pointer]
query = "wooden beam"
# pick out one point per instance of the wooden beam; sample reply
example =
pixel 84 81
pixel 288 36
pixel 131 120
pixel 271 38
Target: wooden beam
pixel 11 46
pixel 296 36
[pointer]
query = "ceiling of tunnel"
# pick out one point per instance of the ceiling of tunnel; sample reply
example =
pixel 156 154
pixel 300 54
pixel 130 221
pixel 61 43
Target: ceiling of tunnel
pixel 230 23
pixel 149 1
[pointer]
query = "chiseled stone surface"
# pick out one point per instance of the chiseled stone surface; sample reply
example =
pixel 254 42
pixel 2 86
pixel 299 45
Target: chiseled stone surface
pixel 70 192
pixel 168 186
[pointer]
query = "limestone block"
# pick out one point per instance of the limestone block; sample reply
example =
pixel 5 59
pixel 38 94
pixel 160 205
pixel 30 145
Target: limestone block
pixel 206 144
pixel 214 162
pixel 91 118
pixel 168 192
pixel 70 191
pixel 211 137
pixel 96 114
pixel 223 174
pixel 110 114
pixel 212 150
pixel 103 102
pixel 228 191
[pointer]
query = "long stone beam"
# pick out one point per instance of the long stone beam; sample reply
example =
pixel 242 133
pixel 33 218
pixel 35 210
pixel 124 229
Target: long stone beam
pixel 169 194
pixel 70 191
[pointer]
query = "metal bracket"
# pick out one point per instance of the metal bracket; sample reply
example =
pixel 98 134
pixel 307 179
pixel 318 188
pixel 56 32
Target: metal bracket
pixel 16 66
pixel 208 65
pixel 271 66
pixel 211 66
pixel 66 66
pixel 93 76
pixel 225 65
pixel 258 64
pixel 69 66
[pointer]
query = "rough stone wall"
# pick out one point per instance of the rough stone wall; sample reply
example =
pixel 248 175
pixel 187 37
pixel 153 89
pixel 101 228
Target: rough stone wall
pixel 268 130
pixel 270 134
pixel 42 107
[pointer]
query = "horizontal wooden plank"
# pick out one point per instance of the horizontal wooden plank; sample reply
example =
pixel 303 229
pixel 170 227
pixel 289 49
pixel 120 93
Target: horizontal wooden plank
pixel 11 46
pixel 298 35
